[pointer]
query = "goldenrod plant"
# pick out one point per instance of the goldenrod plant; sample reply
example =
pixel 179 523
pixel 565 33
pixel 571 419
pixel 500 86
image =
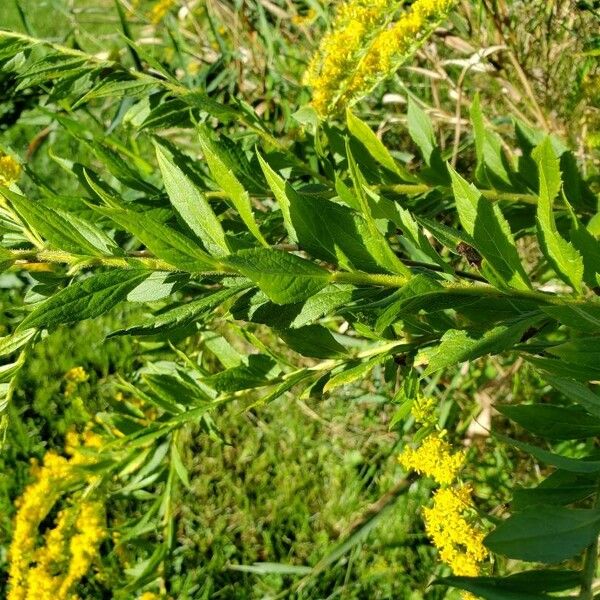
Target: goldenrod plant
pixel 255 261
pixel 367 43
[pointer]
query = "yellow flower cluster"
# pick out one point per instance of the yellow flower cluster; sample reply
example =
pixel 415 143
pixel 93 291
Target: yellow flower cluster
pixel 340 49
pixel 449 521
pixel 51 571
pixel 84 544
pixel 423 410
pixel 160 9
pixel 10 169
pixel 448 525
pixel 61 563
pixel 33 507
pixel 365 46
pixel 434 458
pixel 74 377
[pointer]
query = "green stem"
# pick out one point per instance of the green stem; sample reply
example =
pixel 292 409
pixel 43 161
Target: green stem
pixel 122 262
pixel 360 278
pixel 477 290
pixel 495 195
pixel 590 562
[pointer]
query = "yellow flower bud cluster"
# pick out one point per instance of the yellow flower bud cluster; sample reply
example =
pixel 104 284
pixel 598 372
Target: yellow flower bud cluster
pixel 74 377
pixel 423 410
pixel 434 458
pixel 365 46
pixel 450 521
pixel 10 169
pixel 449 524
pixel 51 571
pixel 160 9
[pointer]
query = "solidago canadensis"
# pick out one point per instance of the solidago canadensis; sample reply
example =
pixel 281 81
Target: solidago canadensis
pixel 52 570
pixel 368 41
pixel 10 170
pixel 450 522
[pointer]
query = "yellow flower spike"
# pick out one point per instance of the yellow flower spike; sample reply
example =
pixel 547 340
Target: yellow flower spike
pixel 423 410
pixel 10 169
pixel 434 458
pixel 365 45
pixel 51 571
pixel 84 544
pixel 160 9
pixel 452 530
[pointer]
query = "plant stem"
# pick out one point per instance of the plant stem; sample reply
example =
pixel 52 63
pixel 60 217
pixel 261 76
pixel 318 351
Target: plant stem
pixel 478 290
pixel 494 195
pixel 590 563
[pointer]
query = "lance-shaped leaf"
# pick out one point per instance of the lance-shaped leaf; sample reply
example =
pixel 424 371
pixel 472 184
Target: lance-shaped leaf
pixel 547 534
pixel 229 183
pixel 553 422
pixel 180 316
pixel 363 133
pixel 285 278
pixel 163 241
pixel 527 585
pixel 563 257
pixel 492 167
pixel 327 230
pixel 376 241
pixel 278 187
pixel 490 232
pixel 64 231
pixel 85 299
pixel 458 346
pixel 421 131
pixel 192 205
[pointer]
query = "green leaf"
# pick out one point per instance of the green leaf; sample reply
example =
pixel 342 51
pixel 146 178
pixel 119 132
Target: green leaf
pixel 192 205
pixel 562 368
pixel 352 373
pixel 527 585
pixel 278 187
pixel 180 316
pixel 491 163
pixel 256 307
pixel 491 233
pixel 584 352
pixel 584 316
pixel 376 240
pixel 589 248
pixel 65 231
pixel 256 373
pixel 285 278
pixel 544 533
pixel 561 488
pixel 325 229
pixel 164 242
pixel 563 257
pixel 566 463
pixel 85 299
pixel 458 346
pixel 363 133
pixel 229 183
pixel 421 131
pixel 315 341
pixel 553 422
pixel 577 392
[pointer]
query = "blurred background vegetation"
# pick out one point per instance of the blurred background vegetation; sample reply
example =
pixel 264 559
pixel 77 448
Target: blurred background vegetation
pixel 286 482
